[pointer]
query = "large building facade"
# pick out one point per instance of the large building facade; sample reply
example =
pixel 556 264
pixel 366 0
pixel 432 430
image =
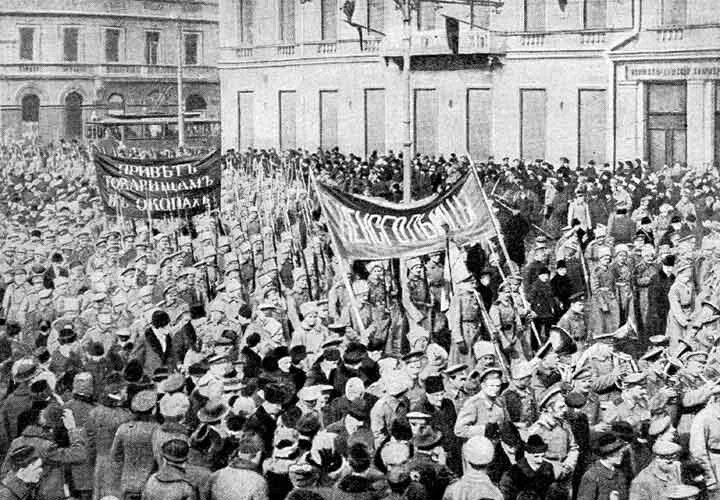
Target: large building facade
pixel 586 79
pixel 64 62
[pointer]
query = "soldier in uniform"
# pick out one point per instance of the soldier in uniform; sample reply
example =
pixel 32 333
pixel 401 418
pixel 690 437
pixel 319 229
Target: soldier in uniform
pixel 633 407
pixel 483 409
pixel 604 311
pixel 519 397
pixel 664 471
pixel 563 451
pixel 455 382
pixel 681 298
pixel 508 326
pixel 643 274
pixel 622 271
pixel 694 389
pixel 465 321
pixel 14 295
pixel 705 444
pixel 573 321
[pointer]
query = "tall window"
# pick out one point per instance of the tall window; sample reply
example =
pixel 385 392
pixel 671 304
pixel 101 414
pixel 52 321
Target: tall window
pixel 674 12
pixel 426 15
pixel 328 119
pixel 112 45
pixel 595 14
pixel 31 108
pixel 533 117
pixel 376 15
pixel 329 15
pixel 192 51
pixel 374 121
pixel 287 120
pixel 478 122
pixel 287 21
pixel 27 44
pixel 245 25
pixel 246 120
pixel 152 47
pixel 70 44
pixel 593 124
pixel 426 121
pixel 534 15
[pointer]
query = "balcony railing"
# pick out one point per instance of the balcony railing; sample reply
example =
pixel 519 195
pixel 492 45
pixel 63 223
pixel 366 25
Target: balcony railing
pixel 311 50
pixel 81 70
pixel 435 42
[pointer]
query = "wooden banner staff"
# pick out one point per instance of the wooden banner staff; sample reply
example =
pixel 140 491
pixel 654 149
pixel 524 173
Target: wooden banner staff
pixel 344 268
pixel 496 226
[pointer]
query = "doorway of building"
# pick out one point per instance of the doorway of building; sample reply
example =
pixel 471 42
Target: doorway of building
pixel 667 123
pixel 73 115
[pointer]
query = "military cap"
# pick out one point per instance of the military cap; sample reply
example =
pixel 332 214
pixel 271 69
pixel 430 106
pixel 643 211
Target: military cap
pixel 632 379
pixel 659 424
pixel 478 450
pixel 175 450
pixel 23 370
pixel 174 405
pixel 144 401
pixel 454 369
pixel 549 395
pixel 412 355
pixel 521 370
pixel 490 371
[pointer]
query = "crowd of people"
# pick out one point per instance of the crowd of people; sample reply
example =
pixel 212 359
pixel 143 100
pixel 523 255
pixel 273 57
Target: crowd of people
pixel 223 357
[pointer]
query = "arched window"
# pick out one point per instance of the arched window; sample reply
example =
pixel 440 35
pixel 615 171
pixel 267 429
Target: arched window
pixel 31 108
pixel 195 103
pixel 116 104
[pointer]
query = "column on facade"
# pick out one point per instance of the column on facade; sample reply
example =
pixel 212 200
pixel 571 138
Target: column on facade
pixel 699 149
pixel 629 122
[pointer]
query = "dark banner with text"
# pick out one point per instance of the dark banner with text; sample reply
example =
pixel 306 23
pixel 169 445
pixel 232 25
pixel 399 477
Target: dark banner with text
pixel 370 229
pixel 173 187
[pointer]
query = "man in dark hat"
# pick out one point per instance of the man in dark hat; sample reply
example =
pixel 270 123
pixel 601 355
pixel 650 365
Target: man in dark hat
pixel 264 421
pixel 82 404
pixel 542 302
pixel 154 348
pixel 132 451
pixel 353 427
pixel 170 482
pixel 604 480
pixel 530 473
pixel 18 402
pixel 658 290
pixel 429 464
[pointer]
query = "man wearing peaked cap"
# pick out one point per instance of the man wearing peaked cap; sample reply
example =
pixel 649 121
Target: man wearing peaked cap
pixel 171 481
pixel 563 451
pixel 484 409
pixel 519 396
pixel 633 406
pixel 662 472
pixel 132 447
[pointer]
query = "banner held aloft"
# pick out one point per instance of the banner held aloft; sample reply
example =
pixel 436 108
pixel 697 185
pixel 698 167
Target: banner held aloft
pixel 172 187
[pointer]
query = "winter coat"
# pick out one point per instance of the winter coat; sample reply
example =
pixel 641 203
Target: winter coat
pixel 132 456
pixel 102 424
pixel 54 458
pixel 151 355
pixel 241 480
pixel 12 488
pixel 520 477
pixel 82 474
pixel 169 483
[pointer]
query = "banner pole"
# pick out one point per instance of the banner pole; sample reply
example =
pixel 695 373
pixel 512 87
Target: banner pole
pixel 344 266
pixel 496 225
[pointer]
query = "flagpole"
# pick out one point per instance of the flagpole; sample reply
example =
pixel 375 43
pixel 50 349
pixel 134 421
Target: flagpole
pixel 344 267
